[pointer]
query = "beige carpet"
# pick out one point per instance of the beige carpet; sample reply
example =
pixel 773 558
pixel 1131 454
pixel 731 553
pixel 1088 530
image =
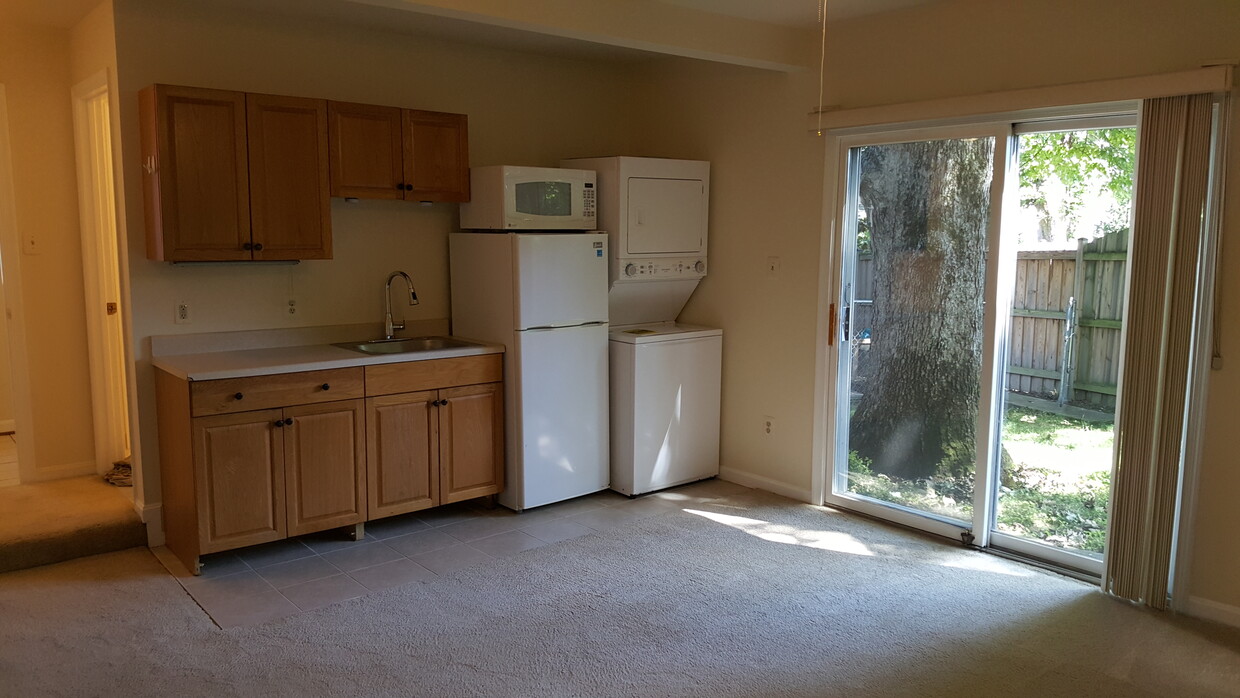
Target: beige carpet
pixel 745 595
pixel 48 522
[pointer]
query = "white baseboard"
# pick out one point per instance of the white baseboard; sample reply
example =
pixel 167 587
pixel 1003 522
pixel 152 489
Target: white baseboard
pixel 8 425
pixel 59 472
pixel 1213 610
pixel 153 516
pixel 762 482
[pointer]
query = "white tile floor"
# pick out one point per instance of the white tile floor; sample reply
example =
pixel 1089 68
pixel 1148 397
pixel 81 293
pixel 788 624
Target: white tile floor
pixel 259 584
pixel 8 460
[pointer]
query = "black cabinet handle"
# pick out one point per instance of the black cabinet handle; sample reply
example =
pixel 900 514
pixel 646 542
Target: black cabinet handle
pixel 237 396
pixel 279 423
pixel 435 403
pixel 258 246
pixel 443 402
pixel 408 187
pixel 326 386
pixel 288 422
pixel 247 245
pixel 400 186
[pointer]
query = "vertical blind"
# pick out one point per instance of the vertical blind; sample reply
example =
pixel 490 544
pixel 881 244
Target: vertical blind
pixel 1173 170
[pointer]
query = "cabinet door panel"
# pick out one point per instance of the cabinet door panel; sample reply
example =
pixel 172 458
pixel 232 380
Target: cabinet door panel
pixel 402 448
pixel 366 151
pixel 324 464
pixel 471 442
pixel 239 471
pixel 197 182
pixel 290 207
pixel 436 156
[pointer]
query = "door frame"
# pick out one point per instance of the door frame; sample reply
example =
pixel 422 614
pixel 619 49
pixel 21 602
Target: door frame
pixel 95 164
pixel 10 263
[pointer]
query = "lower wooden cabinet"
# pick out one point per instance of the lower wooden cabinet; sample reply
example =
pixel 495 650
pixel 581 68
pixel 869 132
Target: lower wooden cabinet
pixel 434 447
pixel 402 453
pixel 325 465
pixel 239 479
pixel 471 442
pixel 234 475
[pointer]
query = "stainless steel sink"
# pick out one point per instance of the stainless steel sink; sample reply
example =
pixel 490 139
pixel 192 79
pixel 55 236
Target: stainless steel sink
pixel 405 345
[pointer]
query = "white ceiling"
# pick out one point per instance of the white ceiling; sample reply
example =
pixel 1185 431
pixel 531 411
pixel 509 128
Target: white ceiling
pixel 55 13
pixel 794 13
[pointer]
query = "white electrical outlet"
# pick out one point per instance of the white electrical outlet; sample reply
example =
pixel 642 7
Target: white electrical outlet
pixel 292 306
pixel 180 314
pixel 768 424
pixel 30 245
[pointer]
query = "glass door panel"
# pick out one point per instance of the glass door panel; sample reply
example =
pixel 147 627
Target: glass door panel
pixel 1063 344
pixel 917 222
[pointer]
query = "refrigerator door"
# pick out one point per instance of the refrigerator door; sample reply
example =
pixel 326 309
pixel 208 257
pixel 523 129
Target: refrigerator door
pixel 561 279
pixel 564 419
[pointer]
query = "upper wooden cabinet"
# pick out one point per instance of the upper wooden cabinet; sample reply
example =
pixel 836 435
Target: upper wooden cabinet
pixel 390 153
pixel 195 174
pixel 290 207
pixel 232 176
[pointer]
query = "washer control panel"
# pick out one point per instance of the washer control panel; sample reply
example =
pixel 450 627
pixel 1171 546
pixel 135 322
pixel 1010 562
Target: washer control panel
pixel 665 268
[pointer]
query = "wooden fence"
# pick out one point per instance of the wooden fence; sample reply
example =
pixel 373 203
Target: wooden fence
pixel 1064 340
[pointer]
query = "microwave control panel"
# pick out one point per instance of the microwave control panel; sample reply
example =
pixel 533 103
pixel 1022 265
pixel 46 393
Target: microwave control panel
pixel 666 268
pixel 588 201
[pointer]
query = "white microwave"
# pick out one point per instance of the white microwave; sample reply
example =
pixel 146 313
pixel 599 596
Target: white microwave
pixel 511 197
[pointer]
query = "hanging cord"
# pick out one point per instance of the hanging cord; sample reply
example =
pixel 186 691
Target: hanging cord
pixel 822 59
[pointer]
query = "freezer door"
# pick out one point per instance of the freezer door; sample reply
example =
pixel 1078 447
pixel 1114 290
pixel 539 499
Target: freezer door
pixel 561 279
pixel 563 413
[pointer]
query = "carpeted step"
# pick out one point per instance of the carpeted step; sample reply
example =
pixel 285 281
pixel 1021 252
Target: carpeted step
pixel 49 522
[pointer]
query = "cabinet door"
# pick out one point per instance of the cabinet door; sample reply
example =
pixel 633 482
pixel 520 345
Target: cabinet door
pixel 290 206
pixel 366 151
pixel 239 477
pixel 325 465
pixel 195 174
pixel 436 156
pixel 471 442
pixel 402 453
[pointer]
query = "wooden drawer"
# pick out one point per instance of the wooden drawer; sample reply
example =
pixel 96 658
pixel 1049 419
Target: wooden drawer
pixel 432 374
pixel 281 390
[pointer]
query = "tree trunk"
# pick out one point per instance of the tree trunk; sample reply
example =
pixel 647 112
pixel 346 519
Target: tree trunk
pixel 928 207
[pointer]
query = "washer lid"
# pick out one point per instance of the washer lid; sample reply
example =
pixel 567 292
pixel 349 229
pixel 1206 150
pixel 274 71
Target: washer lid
pixel 660 332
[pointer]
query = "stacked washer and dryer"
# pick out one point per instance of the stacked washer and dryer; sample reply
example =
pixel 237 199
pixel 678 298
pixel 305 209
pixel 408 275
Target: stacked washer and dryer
pixel 664 376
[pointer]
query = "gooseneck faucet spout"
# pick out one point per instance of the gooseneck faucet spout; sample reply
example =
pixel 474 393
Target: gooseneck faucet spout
pixel 390 327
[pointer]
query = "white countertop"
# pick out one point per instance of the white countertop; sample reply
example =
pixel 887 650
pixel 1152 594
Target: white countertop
pixel 315 357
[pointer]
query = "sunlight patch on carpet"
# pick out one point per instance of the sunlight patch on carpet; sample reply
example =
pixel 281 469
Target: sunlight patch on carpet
pixel 790 535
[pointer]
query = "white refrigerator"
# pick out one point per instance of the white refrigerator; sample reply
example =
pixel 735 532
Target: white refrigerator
pixel 544 297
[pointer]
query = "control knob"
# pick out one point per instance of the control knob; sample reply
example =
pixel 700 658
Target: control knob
pixel 630 269
pixel 699 267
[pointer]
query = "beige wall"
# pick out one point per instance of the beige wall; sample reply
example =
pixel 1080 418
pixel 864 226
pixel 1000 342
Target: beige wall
pixel 35 69
pixel 523 108
pixel 764 202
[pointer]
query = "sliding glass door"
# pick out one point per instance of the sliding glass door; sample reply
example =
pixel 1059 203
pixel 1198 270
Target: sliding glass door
pixel 979 328
pixel 921 215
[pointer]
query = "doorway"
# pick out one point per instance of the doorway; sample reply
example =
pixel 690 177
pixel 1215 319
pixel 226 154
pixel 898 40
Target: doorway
pixel 982 294
pixel 92 122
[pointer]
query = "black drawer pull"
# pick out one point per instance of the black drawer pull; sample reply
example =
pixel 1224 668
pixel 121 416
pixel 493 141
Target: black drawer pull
pixel 326 386
pixel 237 396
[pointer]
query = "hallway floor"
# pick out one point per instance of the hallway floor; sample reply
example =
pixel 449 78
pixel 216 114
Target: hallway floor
pixel 46 522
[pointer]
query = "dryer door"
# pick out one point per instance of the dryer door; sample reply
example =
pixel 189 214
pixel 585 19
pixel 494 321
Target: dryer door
pixel 666 216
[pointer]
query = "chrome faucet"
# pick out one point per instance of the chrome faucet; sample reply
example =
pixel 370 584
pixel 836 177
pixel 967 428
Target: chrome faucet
pixel 389 327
